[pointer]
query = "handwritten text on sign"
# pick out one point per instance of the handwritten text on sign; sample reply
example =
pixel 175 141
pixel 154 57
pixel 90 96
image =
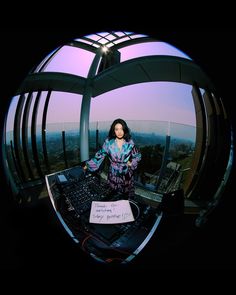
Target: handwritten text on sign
pixel 111 212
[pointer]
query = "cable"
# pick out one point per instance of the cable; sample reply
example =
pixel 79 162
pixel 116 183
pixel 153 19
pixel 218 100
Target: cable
pixel 136 207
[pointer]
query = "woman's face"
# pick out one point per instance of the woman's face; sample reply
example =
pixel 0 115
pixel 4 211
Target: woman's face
pixel 119 132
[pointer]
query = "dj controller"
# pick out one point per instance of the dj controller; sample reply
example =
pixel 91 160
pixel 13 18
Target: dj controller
pixel 72 192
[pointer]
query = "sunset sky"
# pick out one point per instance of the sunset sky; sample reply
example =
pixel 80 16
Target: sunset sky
pixel 161 101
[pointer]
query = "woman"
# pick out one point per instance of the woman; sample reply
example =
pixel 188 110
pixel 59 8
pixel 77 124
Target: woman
pixel 123 155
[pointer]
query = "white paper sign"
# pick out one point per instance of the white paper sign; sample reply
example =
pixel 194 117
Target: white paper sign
pixel 111 212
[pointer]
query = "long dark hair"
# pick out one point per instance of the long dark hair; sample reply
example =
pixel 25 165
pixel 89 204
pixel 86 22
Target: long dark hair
pixel 111 134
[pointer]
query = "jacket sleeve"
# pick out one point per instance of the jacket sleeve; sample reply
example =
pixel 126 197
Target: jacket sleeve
pixel 94 163
pixel 136 157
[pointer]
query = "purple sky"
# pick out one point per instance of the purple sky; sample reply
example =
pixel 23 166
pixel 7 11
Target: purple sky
pixel 162 101
pixel 145 101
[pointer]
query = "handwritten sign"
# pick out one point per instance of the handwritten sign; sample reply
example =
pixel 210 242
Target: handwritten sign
pixel 111 212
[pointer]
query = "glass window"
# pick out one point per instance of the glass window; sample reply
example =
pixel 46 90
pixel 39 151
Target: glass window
pixel 155 112
pixel 150 48
pixel 72 60
pixel 63 116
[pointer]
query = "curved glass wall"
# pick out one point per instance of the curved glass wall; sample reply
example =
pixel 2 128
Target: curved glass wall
pixel 174 114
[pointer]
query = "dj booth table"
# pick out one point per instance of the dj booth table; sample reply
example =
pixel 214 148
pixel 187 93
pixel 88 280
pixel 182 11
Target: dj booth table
pixel 72 192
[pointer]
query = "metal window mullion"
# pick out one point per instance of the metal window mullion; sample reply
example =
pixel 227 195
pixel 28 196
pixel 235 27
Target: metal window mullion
pixel 15 163
pixel 33 134
pixel 47 61
pixel 44 143
pixel 223 140
pixel 209 160
pixel 200 145
pixel 25 134
pixel 85 108
pixel 16 136
pixel 64 148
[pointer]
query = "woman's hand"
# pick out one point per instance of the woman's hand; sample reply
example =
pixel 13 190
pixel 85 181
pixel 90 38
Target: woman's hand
pixel 129 164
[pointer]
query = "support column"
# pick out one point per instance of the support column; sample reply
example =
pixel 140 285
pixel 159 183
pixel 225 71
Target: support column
pixel 16 138
pixel 85 108
pixel 200 145
pixel 44 143
pixel 84 125
pixel 25 120
pixel 33 135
